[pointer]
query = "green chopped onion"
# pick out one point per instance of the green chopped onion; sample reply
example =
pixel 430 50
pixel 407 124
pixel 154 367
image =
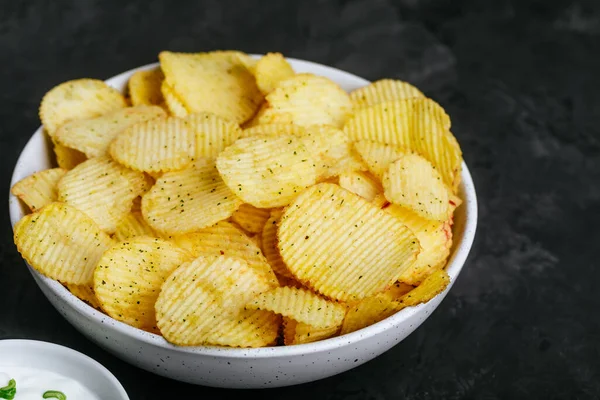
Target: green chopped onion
pixel 9 391
pixel 54 394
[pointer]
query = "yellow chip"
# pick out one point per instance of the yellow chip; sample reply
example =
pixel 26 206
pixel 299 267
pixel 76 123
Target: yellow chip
pixel 378 156
pixel 66 157
pixel 84 293
pixel 132 225
pixel 102 189
pixel 204 294
pixel 435 238
pixel 217 82
pixel 61 242
pixel 418 125
pixel 213 133
pixel 342 246
pixel 295 332
pixel 270 249
pixel 301 305
pixel 250 218
pixel 144 87
pixel 412 182
pixel 93 136
pixel 307 99
pixel 39 189
pixel 187 200
pixel 361 183
pixel 173 102
pixel 270 70
pixel 248 328
pixel 128 278
pixel 78 99
pixel 274 130
pixel 267 171
pixel 159 145
pixel 433 285
pixel 382 91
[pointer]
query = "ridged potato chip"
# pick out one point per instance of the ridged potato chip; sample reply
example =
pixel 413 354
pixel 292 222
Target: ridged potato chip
pixel 307 99
pixel 248 328
pixel 301 305
pixel 187 200
pixel 102 189
pixel 173 102
pixel 132 225
pixel 382 91
pixel 295 332
pixel 212 82
pixel 274 130
pixel 378 156
pixel 129 275
pixel 212 133
pixel 66 157
pixel 412 182
pixel 144 87
pixel 159 145
pixel 61 242
pixel 204 294
pixel 361 183
pixel 250 218
pixel 39 189
pixel 433 285
pixel 93 136
pixel 78 99
pixel 270 249
pixel 84 293
pixel 267 171
pixel 342 246
pixel 270 70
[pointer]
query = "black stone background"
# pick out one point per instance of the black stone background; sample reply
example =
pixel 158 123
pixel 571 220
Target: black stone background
pixel 520 80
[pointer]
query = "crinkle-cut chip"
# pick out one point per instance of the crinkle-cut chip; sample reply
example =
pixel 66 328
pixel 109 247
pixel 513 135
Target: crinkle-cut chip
pixel 307 99
pixel 39 188
pixel 290 282
pixel 419 125
pixel 270 249
pixel 187 200
pixel 378 156
pixel 224 238
pixel 213 133
pixel 342 246
pixel 255 120
pixel 78 99
pixel 382 91
pixel 128 278
pixel 380 201
pixel 84 293
pixel 61 242
pixel 433 285
pixel 216 82
pixel 271 69
pixel 204 294
pixel 159 145
pixel 144 87
pixel 301 305
pixel 93 136
pixel 274 130
pixel 257 239
pixel 246 59
pixel 435 238
pixel 250 218
pixel 295 332
pixel 66 157
pixel 173 102
pixel 412 182
pixel 103 189
pixel 248 328
pixel 361 183
pixel 267 171
pixel 134 224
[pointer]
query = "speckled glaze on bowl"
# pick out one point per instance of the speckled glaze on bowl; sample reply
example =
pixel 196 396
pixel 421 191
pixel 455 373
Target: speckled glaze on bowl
pixel 244 368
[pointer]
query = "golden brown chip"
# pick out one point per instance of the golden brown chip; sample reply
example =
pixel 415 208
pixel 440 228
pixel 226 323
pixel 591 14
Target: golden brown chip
pixel 270 70
pixel 84 293
pixel 382 91
pixel 270 249
pixel 433 285
pixel 144 87
pixel 378 156
pixel 274 130
pixel 66 157
pixel 212 133
pixel 132 225
pixel 298 333
pixel 250 218
pixel 61 242
pixel 361 183
pixel 248 328
pixel 39 189
pixel 173 102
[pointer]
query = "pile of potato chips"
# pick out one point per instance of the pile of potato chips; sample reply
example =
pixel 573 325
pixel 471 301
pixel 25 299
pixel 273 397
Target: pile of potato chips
pixel 231 201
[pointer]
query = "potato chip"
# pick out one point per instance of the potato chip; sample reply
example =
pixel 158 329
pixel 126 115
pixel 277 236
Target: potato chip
pixel 342 246
pixel 250 218
pixel 418 125
pixel 274 130
pixel 78 99
pixel 380 201
pixel 204 294
pixel 61 242
pixel 128 278
pixel 267 171
pixel 224 238
pixel 102 189
pixel 39 188
pixel 382 91
pixel 270 70
pixel 301 305
pixel 270 249
pixel 212 82
pixel 84 293
pixel 378 156
pixel 433 285
pixel 246 59
pixel 295 332
pixel 248 328
pixel 307 99
pixel 66 157
pixel 412 182
pixel 144 87
pixel 213 133
pixel 159 145
pixel 173 102
pixel 361 183
pixel 132 225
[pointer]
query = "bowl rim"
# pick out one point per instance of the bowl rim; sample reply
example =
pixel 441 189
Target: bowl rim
pixel 454 266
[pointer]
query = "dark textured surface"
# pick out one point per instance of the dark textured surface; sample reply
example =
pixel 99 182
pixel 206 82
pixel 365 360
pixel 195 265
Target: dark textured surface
pixel 520 80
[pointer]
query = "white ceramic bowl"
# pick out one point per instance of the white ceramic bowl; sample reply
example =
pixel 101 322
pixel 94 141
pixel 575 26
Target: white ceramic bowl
pixel 245 368
pixel 63 361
